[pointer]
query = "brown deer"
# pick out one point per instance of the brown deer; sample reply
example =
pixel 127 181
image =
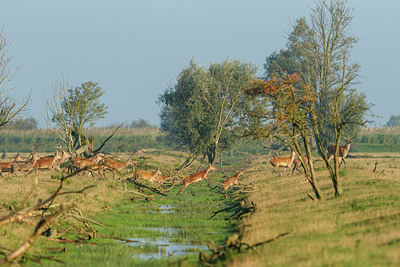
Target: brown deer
pixel 343 151
pixel 24 165
pixel 149 176
pixel 231 181
pixel 161 178
pixel 6 166
pixel 46 162
pixel 78 163
pixel 297 164
pixel 64 157
pixel 115 166
pixel 284 162
pixel 196 177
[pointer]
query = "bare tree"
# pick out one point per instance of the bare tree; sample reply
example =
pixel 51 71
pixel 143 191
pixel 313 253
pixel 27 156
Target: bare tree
pixel 9 106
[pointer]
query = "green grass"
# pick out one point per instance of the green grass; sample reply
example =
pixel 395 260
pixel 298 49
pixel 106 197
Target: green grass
pixel 130 219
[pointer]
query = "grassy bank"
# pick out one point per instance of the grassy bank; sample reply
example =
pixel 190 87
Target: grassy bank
pixel 122 214
pixel 360 228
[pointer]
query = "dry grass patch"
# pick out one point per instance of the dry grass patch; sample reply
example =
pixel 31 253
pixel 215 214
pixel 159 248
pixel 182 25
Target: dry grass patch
pixel 359 228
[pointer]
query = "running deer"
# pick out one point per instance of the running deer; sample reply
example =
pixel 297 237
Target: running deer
pixel 161 178
pixel 231 181
pixel 149 176
pixel 24 165
pixel 343 150
pixel 115 166
pixel 284 162
pixel 46 162
pixel 64 157
pixel 196 177
pixel 78 163
pixel 6 166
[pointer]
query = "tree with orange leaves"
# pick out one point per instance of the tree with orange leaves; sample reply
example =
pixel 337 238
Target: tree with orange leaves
pixel 285 116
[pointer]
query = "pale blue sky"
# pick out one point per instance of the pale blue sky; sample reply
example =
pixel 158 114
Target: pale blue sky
pixel 135 49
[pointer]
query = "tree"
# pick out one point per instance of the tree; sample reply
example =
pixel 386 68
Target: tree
pixel 320 53
pixel 23 124
pixel 71 109
pixel 140 123
pixel 288 103
pixel 201 110
pixel 394 121
pixel 9 106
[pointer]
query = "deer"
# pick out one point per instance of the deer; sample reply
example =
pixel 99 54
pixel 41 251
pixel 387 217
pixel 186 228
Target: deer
pixel 6 166
pixel 24 165
pixel 297 163
pixel 46 162
pixel 113 165
pixel 196 177
pixel 64 157
pixel 161 178
pixel 343 151
pixel 284 162
pixel 231 181
pixel 78 163
pixel 149 176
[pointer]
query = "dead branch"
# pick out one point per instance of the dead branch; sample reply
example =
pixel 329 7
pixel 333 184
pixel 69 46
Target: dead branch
pixel 62 240
pixel 18 217
pixel 42 224
pixel 226 209
pixel 108 138
pixel 132 180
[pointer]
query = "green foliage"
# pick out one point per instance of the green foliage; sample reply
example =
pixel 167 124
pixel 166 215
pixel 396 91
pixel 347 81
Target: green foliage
pixel 22 124
pixel 201 110
pixel 140 123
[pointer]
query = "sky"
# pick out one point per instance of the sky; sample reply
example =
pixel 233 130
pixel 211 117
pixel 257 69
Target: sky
pixel 135 49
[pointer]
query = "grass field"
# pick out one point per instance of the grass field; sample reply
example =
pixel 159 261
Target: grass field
pixel 360 228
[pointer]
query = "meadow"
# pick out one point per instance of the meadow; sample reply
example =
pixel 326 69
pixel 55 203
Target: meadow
pixel 359 228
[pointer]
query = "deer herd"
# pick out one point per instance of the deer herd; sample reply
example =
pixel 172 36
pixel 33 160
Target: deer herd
pixel 287 162
pixel 100 163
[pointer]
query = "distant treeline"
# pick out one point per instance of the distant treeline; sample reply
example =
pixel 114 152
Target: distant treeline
pixel 134 139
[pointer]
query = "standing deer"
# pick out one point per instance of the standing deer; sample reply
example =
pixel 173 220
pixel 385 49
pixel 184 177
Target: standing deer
pixel 284 162
pixel 231 181
pixel 343 150
pixel 24 165
pixel 196 177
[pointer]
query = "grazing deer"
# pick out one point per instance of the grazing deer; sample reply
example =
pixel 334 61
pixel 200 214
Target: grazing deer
pixel 113 165
pixel 6 166
pixel 149 176
pixel 46 162
pixel 196 177
pixel 343 150
pixel 231 181
pixel 78 163
pixel 24 165
pixel 284 162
